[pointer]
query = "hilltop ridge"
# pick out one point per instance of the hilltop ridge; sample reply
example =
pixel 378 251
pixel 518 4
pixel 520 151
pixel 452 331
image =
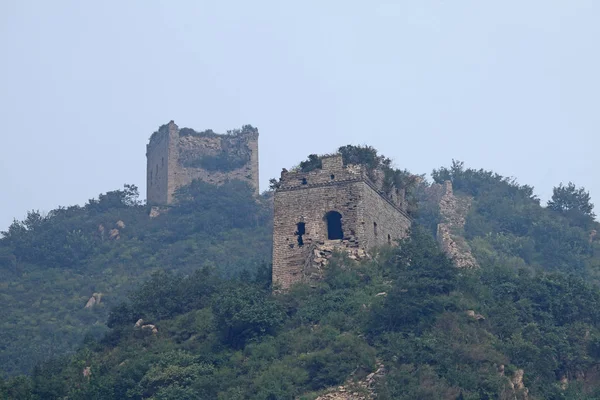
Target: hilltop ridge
pixel 184 310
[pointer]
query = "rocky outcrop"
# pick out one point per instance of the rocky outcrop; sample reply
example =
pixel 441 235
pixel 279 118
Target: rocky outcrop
pixel 515 388
pixel 145 328
pixel 361 390
pixel 94 300
pixel 517 385
pixel 475 316
pixel 114 234
pixel 156 211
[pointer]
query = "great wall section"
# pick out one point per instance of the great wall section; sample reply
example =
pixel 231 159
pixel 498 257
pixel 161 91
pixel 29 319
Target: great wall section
pixel 333 208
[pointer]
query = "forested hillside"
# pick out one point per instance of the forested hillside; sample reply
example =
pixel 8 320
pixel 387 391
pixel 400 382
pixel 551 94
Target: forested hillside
pixel 405 324
pixel 50 265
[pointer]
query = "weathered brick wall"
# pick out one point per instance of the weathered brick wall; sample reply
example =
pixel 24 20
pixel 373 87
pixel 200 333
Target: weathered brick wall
pixel 392 224
pixel 308 197
pixel 308 205
pixel 171 153
pixel 157 167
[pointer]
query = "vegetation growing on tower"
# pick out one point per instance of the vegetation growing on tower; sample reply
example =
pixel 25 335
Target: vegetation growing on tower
pixel 391 179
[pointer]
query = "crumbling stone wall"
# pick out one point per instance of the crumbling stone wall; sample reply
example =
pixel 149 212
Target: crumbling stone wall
pixel 356 390
pixel 307 197
pixel 174 159
pixel 158 156
pixel 453 213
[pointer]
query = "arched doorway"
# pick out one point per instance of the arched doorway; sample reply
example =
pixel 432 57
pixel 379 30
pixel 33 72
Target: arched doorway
pixel 334 225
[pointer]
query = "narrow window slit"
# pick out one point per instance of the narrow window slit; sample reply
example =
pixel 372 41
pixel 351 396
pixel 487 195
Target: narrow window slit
pixel 301 230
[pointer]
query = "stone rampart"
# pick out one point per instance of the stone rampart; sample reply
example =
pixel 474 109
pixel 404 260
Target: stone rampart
pixel 177 157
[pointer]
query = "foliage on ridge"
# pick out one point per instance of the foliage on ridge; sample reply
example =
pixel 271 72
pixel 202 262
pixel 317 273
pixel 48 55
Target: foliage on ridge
pixel 407 307
pixel 51 264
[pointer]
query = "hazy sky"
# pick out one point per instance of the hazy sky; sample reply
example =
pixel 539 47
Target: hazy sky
pixel 511 86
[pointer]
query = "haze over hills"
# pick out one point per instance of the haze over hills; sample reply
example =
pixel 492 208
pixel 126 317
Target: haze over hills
pixel 506 86
pixel 483 286
pixel 180 306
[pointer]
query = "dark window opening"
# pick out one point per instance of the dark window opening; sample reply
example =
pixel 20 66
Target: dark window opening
pixel 163 162
pixel 389 239
pixel 332 176
pixel 375 228
pixel 304 181
pixel 334 225
pixel 157 169
pixel 301 231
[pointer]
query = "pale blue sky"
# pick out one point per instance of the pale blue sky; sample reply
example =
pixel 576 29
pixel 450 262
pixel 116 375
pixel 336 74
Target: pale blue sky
pixel 511 86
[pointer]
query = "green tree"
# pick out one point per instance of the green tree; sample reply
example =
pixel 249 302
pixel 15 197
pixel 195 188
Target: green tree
pixel 570 198
pixel 424 278
pixel 243 312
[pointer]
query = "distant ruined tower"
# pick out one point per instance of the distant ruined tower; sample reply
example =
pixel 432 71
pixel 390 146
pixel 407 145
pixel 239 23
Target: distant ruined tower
pixel 176 157
pixel 335 207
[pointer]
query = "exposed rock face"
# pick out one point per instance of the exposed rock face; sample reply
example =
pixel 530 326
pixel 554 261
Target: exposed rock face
pixel 150 328
pixel 145 328
pixel 564 382
pixel 94 300
pixel 475 316
pixel 517 385
pixel 155 211
pixel 120 224
pixel 516 389
pixel 114 234
pixel 362 390
pixel 453 212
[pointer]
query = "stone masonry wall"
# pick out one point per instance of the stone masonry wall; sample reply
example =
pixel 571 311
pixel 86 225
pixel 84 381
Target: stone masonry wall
pixel 157 168
pixel 307 198
pixel 309 206
pixel 170 154
pixel 453 212
pixel 376 209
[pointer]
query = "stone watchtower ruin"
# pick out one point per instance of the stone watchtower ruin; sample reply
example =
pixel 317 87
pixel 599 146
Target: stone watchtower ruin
pixel 335 207
pixel 176 157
